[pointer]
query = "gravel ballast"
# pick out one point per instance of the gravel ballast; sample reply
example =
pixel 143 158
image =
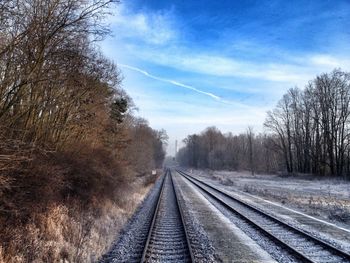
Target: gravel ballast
pixel 328 231
pixel 128 247
pixel 229 242
pixel 202 248
pixel 276 252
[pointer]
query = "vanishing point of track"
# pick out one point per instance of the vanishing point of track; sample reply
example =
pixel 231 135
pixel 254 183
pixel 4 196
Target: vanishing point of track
pixel 300 244
pixel 167 239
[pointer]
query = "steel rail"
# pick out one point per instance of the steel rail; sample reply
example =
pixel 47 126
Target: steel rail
pixel 182 218
pixel 153 221
pixel 305 258
pixel 156 211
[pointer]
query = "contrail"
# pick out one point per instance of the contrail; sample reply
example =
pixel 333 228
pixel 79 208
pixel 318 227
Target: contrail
pixel 173 82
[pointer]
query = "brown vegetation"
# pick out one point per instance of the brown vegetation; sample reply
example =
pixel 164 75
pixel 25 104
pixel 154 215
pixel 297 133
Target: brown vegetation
pixel 71 153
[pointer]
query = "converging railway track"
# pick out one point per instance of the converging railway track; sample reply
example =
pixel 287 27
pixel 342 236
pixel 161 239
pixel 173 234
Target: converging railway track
pixel 298 243
pixel 167 239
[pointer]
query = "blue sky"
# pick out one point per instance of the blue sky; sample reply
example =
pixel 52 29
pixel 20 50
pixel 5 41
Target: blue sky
pixel 191 64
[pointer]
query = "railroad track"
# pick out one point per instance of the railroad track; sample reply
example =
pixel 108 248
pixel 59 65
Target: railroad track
pixel 300 244
pixel 167 238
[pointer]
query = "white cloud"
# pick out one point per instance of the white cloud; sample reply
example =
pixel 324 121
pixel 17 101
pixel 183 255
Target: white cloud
pixel 173 82
pixel 292 70
pixel 189 87
pixel 155 37
pixel 148 39
pixel 221 66
pixel 152 28
pixel 329 62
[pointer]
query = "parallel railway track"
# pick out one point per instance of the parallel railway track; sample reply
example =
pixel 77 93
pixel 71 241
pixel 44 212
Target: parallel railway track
pixel 167 238
pixel 300 244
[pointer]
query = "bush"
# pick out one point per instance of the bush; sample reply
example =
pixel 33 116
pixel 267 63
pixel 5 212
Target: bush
pixel 56 198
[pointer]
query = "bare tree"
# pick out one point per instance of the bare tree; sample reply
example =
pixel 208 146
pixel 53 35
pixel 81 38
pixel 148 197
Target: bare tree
pixel 250 139
pixel 308 130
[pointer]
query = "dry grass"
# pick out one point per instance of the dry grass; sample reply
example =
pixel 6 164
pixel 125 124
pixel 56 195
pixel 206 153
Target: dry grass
pixel 57 236
pixel 65 207
pixel 326 198
pixel 223 180
pixel 329 207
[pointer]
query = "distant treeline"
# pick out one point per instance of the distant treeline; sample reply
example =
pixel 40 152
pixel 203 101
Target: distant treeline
pixel 307 132
pixel 214 150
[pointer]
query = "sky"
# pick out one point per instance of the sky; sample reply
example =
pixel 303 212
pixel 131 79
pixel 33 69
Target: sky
pixel 190 64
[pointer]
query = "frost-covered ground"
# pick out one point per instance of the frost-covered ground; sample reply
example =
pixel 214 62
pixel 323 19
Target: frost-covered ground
pixel 327 199
pixel 229 242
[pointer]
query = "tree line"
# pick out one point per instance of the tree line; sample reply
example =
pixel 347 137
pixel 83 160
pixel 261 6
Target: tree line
pixel 69 138
pixel 56 87
pixel 307 132
pixel 211 149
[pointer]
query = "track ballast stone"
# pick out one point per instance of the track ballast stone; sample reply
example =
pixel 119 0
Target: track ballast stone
pixel 202 249
pixel 168 242
pixel 129 246
pixel 309 247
